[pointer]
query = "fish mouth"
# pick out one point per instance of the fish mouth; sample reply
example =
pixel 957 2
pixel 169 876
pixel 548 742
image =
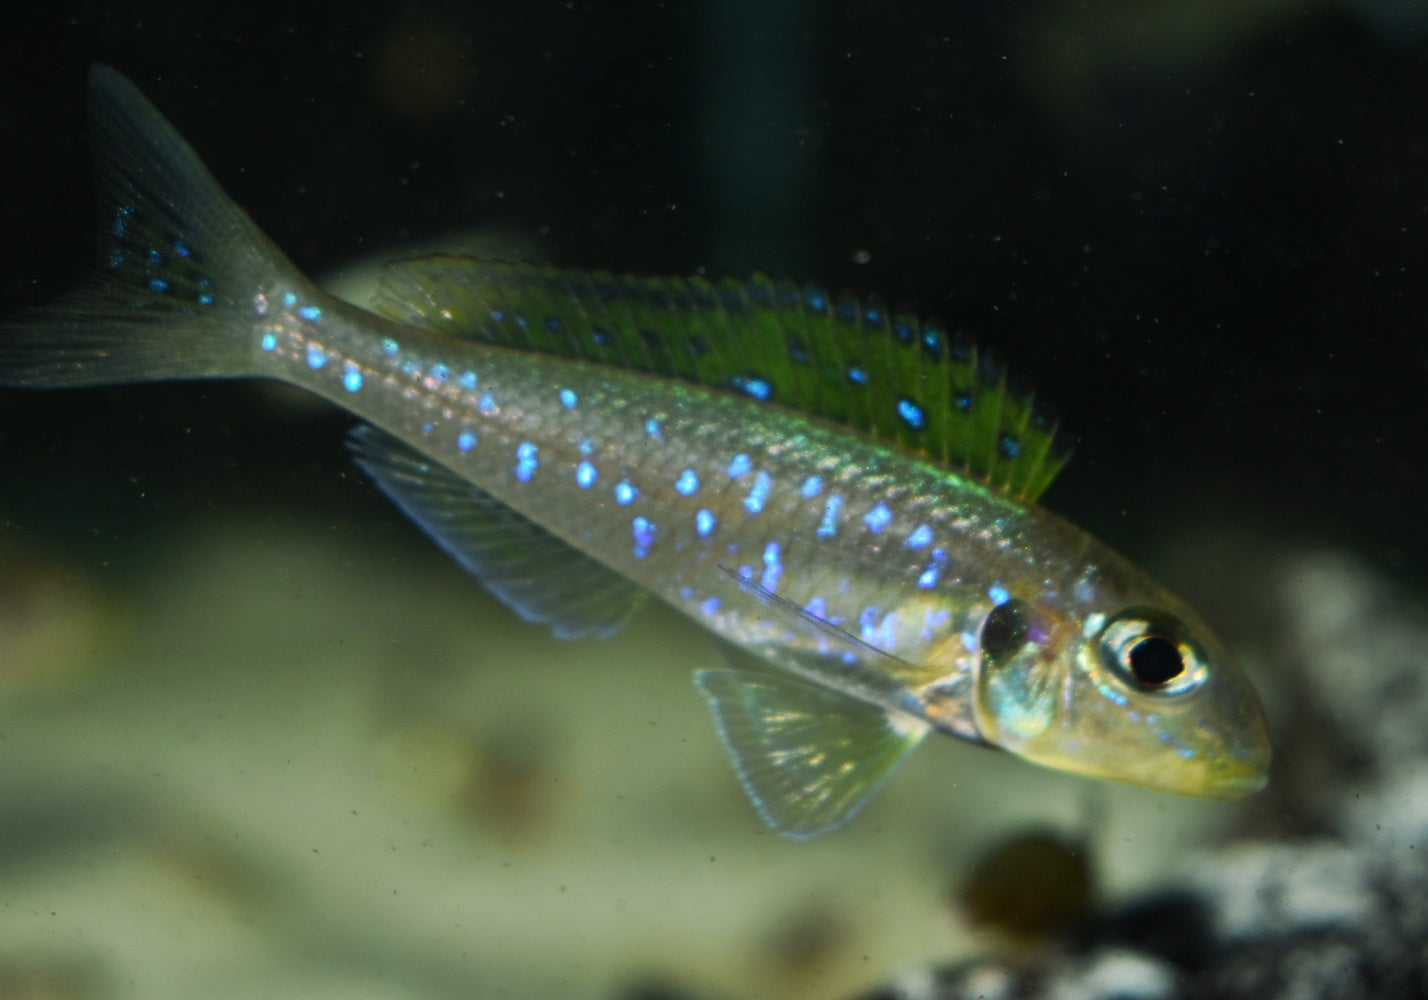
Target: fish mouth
pixel 1238 783
pixel 1240 774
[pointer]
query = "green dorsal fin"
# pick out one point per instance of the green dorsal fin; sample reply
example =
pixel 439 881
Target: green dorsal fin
pixel 905 382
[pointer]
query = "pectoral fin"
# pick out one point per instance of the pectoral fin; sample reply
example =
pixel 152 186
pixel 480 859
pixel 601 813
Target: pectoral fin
pixel 808 758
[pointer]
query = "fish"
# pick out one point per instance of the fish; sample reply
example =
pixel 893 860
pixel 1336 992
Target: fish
pixel 844 494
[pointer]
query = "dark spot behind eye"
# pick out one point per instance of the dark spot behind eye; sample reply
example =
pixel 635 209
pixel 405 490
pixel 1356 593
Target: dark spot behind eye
pixel 1004 632
pixel 1155 660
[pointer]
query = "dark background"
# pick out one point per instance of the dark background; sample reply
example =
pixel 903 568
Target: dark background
pixel 1199 228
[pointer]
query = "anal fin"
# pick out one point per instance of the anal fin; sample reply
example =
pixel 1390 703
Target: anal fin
pixel 539 576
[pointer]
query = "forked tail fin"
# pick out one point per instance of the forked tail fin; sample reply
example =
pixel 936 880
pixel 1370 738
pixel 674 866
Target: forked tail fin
pixel 178 265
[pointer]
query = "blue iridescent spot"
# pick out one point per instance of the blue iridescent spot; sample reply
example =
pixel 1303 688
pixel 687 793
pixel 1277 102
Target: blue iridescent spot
pixel 687 483
pixel 270 342
pixel 911 413
pixel 759 388
pixel 1008 446
pixel 873 316
pixel 934 621
pixel 310 313
pixel 351 377
pixel 568 399
pixel 816 300
pixel 773 569
pixel 932 342
pixel 644 532
pixel 812 486
pixel 817 607
pixel 709 607
pixel 878 518
pixel 920 538
pixel 586 474
pixel 204 299
pixel 390 347
pixel 828 527
pixel 653 429
pixel 289 299
pixel 625 493
pixel 428 427
pixel 487 404
pixel 467 380
pixel 499 315
pixel 315 358
pixel 553 324
pixel 740 466
pixel 600 337
pixel 158 285
pixel 466 440
pixel 882 634
pixel 934 569
pixel 527 461
pixel 181 248
pixel 440 373
pixel 586 446
pixel 998 593
pixel 754 502
pixel 116 258
pixel 866 620
pixel 704 522
pixel 857 376
pixel 155 257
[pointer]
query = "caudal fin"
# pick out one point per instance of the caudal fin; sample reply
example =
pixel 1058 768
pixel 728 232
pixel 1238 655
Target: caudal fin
pixel 178 265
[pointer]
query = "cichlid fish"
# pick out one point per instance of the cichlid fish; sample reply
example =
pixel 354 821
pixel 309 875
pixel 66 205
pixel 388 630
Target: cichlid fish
pixel 841 491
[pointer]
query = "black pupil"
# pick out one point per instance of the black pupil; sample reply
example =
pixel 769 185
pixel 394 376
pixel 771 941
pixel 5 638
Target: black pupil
pixel 1004 632
pixel 1155 660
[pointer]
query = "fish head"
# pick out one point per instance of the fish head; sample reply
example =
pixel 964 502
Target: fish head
pixel 1115 686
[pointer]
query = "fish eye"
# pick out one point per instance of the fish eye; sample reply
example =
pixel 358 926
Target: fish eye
pixel 1149 652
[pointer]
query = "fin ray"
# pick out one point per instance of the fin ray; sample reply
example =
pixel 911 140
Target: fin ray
pixel 842 660
pixel 177 260
pixel 808 758
pixel 536 574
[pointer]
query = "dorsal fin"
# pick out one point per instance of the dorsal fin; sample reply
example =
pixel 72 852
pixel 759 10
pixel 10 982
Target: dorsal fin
pixel 905 382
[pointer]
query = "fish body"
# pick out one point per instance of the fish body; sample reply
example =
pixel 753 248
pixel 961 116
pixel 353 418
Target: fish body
pixel 844 494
